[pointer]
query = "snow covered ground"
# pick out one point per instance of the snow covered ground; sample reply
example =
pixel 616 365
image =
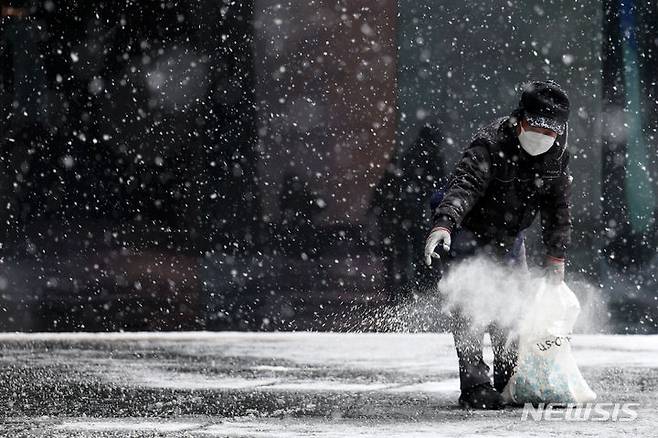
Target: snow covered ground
pixel 285 384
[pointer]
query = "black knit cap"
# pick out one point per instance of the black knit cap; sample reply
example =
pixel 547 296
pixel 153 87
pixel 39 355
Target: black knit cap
pixel 545 104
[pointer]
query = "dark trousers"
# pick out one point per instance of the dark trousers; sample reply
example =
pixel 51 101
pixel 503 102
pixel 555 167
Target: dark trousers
pixel 468 337
pixel 473 370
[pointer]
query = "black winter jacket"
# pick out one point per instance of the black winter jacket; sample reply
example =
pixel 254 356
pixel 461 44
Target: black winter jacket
pixel 497 189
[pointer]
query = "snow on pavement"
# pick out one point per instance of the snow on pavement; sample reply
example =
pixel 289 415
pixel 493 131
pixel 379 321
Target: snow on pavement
pixel 282 384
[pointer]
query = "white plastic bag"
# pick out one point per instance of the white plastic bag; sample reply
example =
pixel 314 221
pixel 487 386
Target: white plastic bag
pixel 546 371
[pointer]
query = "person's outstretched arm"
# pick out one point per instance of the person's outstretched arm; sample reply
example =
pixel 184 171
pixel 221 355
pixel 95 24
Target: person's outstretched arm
pixel 468 183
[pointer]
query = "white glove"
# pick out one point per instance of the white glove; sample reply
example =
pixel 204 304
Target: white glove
pixel 438 236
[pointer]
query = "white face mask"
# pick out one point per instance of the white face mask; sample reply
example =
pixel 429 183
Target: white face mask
pixel 535 143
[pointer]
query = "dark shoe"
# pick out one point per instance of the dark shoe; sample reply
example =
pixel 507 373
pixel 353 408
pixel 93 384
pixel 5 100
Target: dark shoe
pixel 481 397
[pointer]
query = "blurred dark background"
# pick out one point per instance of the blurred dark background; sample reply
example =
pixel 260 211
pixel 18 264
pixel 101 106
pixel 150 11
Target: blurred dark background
pixel 259 165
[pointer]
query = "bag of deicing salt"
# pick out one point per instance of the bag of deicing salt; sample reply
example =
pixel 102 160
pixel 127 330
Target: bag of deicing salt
pixel 546 370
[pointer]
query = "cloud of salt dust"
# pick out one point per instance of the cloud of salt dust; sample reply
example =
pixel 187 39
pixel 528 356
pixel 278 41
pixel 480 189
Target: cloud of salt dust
pixel 485 291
